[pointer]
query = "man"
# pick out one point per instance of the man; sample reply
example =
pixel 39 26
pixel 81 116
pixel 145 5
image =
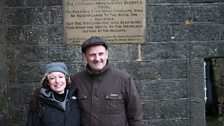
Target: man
pixel 106 96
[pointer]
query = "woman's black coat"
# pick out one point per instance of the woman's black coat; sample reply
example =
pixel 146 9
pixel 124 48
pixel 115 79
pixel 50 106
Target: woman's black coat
pixel 54 113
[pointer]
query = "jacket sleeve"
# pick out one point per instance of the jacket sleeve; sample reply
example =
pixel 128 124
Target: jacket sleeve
pixel 33 119
pixel 133 105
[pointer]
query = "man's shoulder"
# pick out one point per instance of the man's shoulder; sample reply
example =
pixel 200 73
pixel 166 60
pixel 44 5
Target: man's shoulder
pixel 120 72
pixel 80 73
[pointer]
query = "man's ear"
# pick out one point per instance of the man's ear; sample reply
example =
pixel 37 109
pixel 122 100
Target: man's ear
pixel 107 54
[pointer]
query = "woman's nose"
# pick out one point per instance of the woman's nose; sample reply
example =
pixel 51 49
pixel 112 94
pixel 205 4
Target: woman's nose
pixel 57 79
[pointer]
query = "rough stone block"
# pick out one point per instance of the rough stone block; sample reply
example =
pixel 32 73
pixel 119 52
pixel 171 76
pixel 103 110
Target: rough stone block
pixel 204 1
pixel 18 99
pixel 197 112
pixel 65 53
pixel 34 32
pixel 17 16
pixel 197 32
pixel 149 108
pixel 208 13
pixel 56 15
pixel 116 55
pixel 156 69
pixel 1 17
pixel 172 108
pixel 14 2
pixel 163 89
pixel 166 1
pixel 26 53
pixel 157 32
pixel 166 122
pixel 39 16
pixel 148 90
pixel 1 3
pixel 2 42
pixel 15 35
pixel 196 79
pixel 206 49
pixel 169 13
pixel 28 72
pixel 52 2
pixel 55 35
pixel 75 67
pixel 165 51
pixel 4 121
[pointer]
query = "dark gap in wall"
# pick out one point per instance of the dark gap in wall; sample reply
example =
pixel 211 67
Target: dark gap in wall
pixel 214 91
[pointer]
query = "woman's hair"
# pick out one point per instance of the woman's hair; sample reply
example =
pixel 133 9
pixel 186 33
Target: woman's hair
pixel 35 102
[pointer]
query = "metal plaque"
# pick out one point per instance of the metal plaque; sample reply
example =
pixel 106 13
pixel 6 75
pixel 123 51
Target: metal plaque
pixel 117 21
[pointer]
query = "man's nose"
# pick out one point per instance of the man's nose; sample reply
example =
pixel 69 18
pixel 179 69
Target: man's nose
pixel 97 57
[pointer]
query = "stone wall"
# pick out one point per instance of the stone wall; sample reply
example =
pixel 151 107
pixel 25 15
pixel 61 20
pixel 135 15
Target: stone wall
pixel 169 75
pixel 3 72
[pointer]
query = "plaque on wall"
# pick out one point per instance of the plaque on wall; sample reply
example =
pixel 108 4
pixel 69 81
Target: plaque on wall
pixel 117 21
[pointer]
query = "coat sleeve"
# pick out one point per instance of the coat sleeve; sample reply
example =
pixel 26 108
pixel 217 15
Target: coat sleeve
pixel 33 119
pixel 133 105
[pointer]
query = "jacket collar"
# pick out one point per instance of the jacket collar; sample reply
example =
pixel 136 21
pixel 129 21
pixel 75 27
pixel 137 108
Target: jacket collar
pixel 48 95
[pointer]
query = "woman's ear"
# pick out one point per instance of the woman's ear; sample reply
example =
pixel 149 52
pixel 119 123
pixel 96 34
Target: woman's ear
pixel 84 56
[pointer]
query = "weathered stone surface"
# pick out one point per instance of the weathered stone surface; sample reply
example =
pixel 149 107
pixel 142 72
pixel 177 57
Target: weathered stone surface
pixel 209 49
pixel 165 122
pixel 203 11
pixel 196 109
pixel 14 2
pixel 116 55
pixel 17 16
pixel 2 42
pixel 183 1
pixel 24 70
pixel 15 35
pixel 156 69
pixel 168 69
pixel 52 2
pixel 164 89
pixel 1 16
pixel 27 53
pixel 177 50
pixel 150 110
pixel 18 102
pixel 175 108
pixel 167 1
pixel 65 53
pixel 158 32
pixel 169 13
pixel 55 35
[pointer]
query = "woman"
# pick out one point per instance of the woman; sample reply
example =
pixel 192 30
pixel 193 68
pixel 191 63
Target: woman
pixel 54 103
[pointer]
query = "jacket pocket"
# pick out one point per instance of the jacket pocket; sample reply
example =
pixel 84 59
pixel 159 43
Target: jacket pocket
pixel 114 103
pixel 82 97
pixel 83 102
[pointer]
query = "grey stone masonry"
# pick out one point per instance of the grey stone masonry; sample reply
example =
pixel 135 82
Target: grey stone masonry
pixel 168 68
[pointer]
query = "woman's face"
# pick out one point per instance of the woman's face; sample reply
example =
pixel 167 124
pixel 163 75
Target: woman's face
pixel 57 82
pixel 96 56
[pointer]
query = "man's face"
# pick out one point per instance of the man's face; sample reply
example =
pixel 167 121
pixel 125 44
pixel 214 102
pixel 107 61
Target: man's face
pixel 96 56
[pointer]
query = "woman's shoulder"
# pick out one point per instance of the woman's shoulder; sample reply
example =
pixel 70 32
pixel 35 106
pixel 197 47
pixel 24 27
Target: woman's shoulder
pixel 34 103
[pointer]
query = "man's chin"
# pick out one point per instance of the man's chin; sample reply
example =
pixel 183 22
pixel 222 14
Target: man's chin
pixel 98 68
